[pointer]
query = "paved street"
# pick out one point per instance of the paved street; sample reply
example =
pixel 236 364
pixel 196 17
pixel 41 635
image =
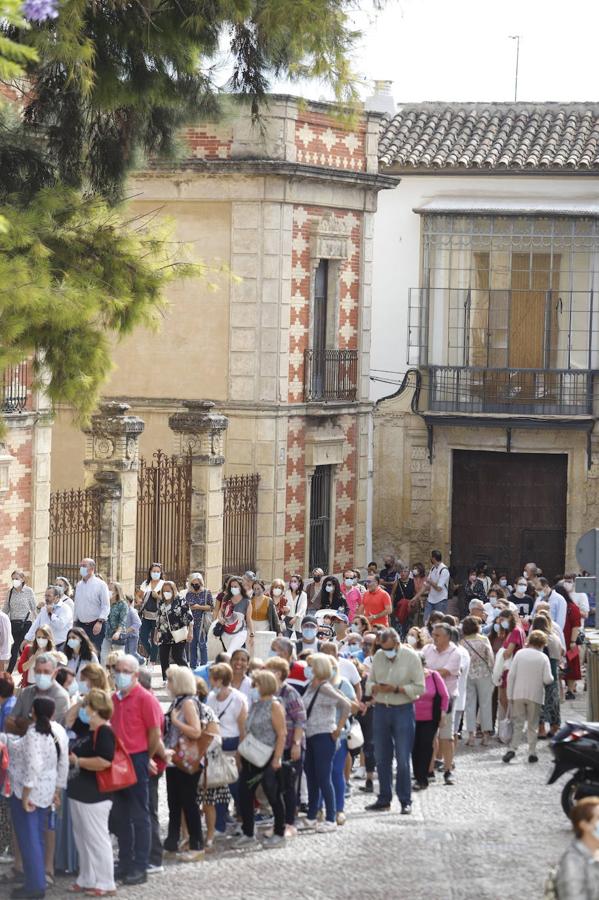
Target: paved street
pixel 496 823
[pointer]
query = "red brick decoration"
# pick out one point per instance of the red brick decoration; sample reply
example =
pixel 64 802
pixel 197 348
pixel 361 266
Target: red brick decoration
pixel 345 499
pixel 16 506
pixel 209 141
pixel 295 507
pixel 304 218
pixel 322 141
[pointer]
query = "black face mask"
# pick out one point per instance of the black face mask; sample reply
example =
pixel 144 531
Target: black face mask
pixel 196 587
pixel 317 578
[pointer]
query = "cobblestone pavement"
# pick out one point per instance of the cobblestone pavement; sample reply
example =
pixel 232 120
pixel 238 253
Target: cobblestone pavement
pixel 492 835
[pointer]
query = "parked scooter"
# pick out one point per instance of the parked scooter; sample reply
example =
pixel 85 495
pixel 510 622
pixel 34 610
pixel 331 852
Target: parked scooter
pixel 575 749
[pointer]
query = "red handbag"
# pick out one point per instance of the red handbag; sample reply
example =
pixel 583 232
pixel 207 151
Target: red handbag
pixel 121 773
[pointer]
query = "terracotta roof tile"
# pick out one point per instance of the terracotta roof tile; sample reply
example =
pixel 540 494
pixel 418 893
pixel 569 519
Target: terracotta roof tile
pixel 516 137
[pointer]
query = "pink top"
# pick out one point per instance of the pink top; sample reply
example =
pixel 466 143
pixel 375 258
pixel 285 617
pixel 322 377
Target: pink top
pixel 354 598
pixel 423 707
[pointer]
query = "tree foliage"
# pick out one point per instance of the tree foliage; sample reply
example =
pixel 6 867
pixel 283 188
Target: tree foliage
pixel 106 83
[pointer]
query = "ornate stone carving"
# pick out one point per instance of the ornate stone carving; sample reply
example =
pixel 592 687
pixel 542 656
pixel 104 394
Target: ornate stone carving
pixel 112 437
pixel 200 431
pixel 330 238
pixel 103 448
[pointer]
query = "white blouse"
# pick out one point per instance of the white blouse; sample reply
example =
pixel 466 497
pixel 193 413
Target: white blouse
pixel 297 607
pixel 33 763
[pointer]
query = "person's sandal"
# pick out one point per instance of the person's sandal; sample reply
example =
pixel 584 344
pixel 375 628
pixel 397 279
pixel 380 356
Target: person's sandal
pixel 76 889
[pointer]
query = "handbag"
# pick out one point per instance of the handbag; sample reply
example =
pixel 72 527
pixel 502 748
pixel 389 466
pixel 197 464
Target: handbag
pixel 189 752
pixel 355 738
pixel 121 773
pixel 505 730
pixel 255 751
pixel 220 769
pixel 218 629
pixel 179 634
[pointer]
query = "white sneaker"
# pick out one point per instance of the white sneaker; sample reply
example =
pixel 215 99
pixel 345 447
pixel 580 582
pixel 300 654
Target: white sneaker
pixel 324 827
pixel 305 824
pixel 154 870
pixel 360 773
pixel 245 841
pixel 275 840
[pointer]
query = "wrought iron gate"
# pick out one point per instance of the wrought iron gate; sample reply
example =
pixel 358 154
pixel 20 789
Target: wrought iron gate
pixel 320 518
pixel 240 523
pixel 164 516
pixel 74 531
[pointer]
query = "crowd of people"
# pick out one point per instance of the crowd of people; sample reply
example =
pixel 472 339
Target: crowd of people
pixel 282 696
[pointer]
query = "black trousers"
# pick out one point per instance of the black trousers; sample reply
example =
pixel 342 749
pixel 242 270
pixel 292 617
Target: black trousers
pixel 272 784
pixel 181 792
pixel 422 750
pixel 366 721
pixel 155 842
pixel 174 653
pixel 19 629
pixel 292 773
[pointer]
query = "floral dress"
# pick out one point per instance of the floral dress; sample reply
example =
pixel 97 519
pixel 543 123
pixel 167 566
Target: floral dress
pixel 172 616
pixel 221 794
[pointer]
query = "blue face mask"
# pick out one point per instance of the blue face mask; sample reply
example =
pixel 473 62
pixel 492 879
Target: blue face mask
pixel 596 831
pixel 73 687
pixel 496 627
pixel 272 653
pixel 390 654
pixel 309 633
pixel 354 649
pixel 123 680
pixel 308 673
pixel 84 715
pixel 83 571
pixel 43 681
pixel 83 687
pixel 254 695
pixel 74 643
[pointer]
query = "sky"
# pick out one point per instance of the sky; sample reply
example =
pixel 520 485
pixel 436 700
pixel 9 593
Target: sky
pixel 461 50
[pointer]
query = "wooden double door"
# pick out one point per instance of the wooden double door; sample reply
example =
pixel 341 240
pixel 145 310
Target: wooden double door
pixel 508 509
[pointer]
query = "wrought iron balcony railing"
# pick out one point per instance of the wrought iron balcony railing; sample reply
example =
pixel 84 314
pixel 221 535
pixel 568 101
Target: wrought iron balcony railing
pixel 533 392
pixel 14 388
pixel 330 375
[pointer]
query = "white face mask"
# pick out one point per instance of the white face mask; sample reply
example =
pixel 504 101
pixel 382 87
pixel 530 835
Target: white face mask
pixel 16 583
pixel 503 582
pixel 412 640
pixel 276 592
pixel 42 643
pixel 293 585
pixel 155 576
pixel 168 595
pixel 349 582
pixel 569 585
pixel 235 591
pixel 329 588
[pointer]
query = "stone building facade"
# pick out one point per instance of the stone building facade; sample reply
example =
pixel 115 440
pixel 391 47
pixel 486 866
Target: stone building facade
pixel 276 336
pixel 486 317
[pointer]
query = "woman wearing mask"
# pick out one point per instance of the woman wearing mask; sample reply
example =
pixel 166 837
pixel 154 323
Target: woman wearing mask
pixel 173 617
pixel 149 593
pixel 201 604
pixel 514 639
pixel 551 712
pixel 340 757
pixel 327 711
pixel 266 723
pixel 479 687
pixel 360 625
pixel 42 643
pixel 417 638
pixel 332 596
pixel 89 808
pixel 116 623
pixel 504 584
pixel 38 767
pixel 277 592
pixel 20 607
pixel 474 587
pixel 231 708
pixel 264 613
pixel 234 614
pixel 351 594
pixel 428 709
pixel 295 605
pixel 79 650
pixel 186 717
pixel 401 597
pixel 522 597
pixel 420 594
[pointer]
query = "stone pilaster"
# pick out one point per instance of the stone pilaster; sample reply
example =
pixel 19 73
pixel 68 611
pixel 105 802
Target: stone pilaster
pixel 111 464
pixel 199 432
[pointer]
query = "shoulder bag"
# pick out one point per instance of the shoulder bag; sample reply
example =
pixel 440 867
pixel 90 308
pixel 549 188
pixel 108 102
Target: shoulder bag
pixel 189 752
pixel 355 738
pixel 121 773
pixel 255 751
pixel 178 634
pixel 221 767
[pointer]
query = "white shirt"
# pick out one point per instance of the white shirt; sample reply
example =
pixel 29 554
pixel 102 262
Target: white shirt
pixel 92 600
pixel 33 763
pixel 297 607
pixel 557 608
pixel 460 702
pixel 228 711
pixel 582 602
pixel 440 575
pixel 528 674
pixel 6 639
pixel 348 670
pixel 60 622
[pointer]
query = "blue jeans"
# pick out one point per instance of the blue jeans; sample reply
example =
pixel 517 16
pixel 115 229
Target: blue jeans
pixel 318 766
pixel 29 828
pixel 394 729
pixel 339 774
pixel 429 608
pixel 96 639
pixel 130 819
pixel 222 809
pixel 131 642
pixel 195 642
pixel 146 635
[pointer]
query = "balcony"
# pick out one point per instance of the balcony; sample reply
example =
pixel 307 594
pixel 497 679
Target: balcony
pixel 14 388
pixel 526 392
pixel 330 376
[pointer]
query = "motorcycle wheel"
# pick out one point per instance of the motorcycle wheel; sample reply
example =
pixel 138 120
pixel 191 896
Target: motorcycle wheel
pixel 569 795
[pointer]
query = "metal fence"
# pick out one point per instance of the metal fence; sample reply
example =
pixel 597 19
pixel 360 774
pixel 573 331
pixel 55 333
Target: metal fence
pixel 164 516
pixel 240 523
pixel 74 532
pixel 330 375
pixel 524 391
pixel 14 388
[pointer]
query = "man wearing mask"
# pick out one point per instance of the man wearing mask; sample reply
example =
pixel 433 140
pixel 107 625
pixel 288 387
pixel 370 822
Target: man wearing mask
pixel 557 605
pixel 438 584
pixel 313 590
pixel 44 685
pixel 20 609
pixel 522 599
pixel 388 573
pixel 56 615
pixel 395 681
pixel 376 603
pixel 92 603
pixel 308 640
pixel 136 721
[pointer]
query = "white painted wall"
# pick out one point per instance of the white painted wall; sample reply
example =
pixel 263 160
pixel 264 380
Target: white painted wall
pixel 397 248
